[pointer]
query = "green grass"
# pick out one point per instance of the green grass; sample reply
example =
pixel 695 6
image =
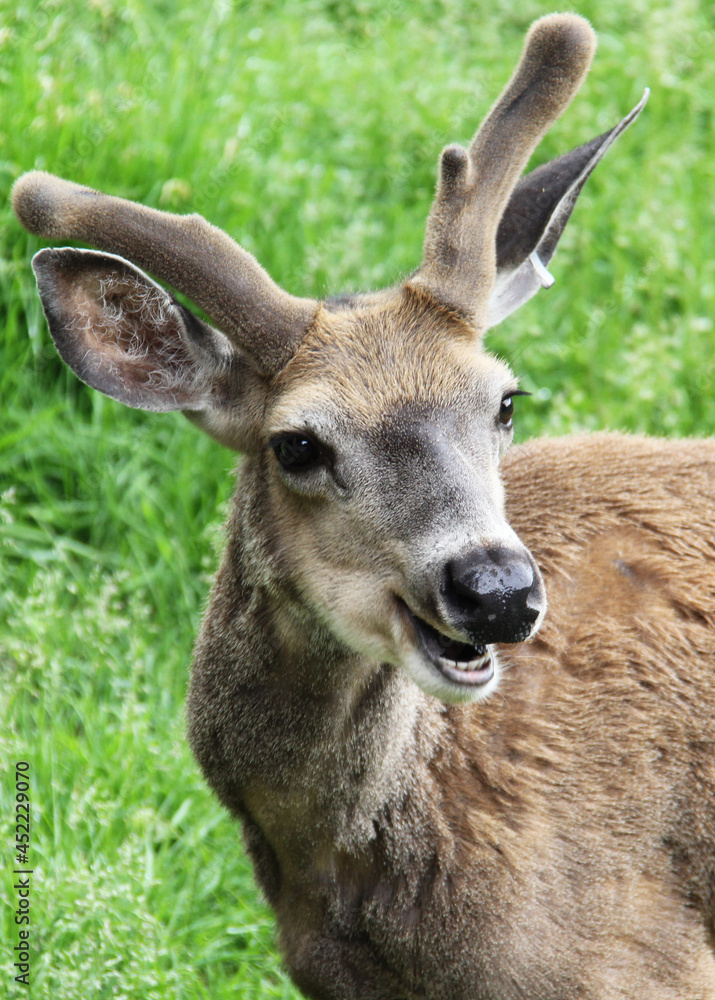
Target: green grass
pixel 309 131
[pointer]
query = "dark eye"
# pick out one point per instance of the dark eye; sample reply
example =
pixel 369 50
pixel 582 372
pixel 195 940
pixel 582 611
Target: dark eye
pixel 297 452
pixel 506 411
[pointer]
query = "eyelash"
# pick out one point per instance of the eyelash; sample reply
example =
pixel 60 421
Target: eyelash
pixel 506 415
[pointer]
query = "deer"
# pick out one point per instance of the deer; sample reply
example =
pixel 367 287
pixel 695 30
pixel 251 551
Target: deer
pixel 447 789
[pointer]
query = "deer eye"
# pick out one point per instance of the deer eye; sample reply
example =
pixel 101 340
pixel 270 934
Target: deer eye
pixel 506 412
pixel 297 452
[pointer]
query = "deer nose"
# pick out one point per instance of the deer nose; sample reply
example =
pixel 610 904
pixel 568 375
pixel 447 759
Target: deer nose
pixel 494 594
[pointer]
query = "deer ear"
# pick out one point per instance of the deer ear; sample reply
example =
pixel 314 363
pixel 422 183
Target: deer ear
pixel 536 216
pixel 126 336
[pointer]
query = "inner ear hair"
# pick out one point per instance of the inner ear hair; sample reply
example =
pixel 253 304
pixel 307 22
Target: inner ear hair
pixel 125 335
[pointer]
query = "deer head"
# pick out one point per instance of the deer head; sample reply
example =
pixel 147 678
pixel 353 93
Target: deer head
pixel 373 424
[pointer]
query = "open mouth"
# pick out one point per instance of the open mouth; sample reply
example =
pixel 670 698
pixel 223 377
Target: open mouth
pixel 460 662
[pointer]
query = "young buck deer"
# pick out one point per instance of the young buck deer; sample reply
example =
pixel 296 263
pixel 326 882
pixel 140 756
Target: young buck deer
pixel 416 838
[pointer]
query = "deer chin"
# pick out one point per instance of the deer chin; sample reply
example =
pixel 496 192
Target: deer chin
pixel 451 670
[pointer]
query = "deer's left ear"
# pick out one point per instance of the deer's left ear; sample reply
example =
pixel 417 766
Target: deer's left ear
pixel 536 216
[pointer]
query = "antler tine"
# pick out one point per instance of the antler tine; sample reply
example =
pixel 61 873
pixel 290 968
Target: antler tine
pixel 187 252
pixel 459 256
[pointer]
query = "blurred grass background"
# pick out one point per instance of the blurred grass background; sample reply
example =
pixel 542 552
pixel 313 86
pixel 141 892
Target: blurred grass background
pixel 310 131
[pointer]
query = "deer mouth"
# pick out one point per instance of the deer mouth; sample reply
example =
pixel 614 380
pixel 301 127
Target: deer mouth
pixel 459 662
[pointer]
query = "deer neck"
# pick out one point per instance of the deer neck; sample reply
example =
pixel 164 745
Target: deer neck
pixel 291 727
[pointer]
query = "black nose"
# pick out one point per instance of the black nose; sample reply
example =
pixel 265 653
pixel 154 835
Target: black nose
pixel 494 594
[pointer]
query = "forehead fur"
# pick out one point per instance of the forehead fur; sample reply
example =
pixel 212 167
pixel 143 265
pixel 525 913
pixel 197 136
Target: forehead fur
pixel 373 358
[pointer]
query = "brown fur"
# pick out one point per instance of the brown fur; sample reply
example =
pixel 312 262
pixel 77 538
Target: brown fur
pixel 557 840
